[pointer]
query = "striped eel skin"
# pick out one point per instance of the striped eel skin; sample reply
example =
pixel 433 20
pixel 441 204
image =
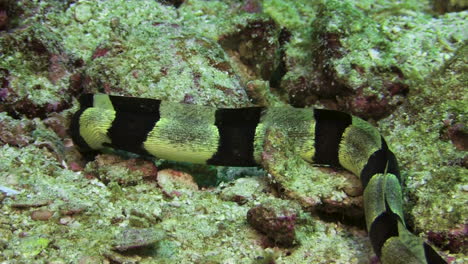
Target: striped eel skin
pixel 235 137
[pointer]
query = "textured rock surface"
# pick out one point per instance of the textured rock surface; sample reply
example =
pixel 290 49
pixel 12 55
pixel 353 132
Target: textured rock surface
pixel 404 61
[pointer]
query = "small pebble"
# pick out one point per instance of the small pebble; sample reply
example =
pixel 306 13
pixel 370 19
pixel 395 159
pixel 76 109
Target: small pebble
pixel 172 180
pixel 137 238
pixel 41 215
pixel 8 191
pixel 465 187
pixel 353 190
pixel 65 220
pixel 243 190
pixel 175 204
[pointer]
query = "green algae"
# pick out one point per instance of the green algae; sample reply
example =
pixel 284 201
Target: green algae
pixel 33 58
pixel 44 179
pixel 375 50
pixel 82 37
pixel 296 15
pixel 429 42
pixel 435 178
pixel 242 190
pixel 208 226
pixel 83 11
pixel 201 227
pixel 168 61
pixel 171 65
pixel 32 246
pixel 329 243
pixel 30 78
pixel 203 17
pixel 416 42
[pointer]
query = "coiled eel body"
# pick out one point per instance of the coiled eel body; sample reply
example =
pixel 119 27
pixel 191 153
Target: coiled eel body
pixel 235 137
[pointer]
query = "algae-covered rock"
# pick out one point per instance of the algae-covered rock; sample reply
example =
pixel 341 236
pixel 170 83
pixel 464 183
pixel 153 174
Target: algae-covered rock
pixel 15 132
pixel 83 11
pixel 112 168
pixel 40 83
pixel 433 162
pixel 172 63
pixel 243 190
pixel 137 238
pixel 318 189
pixel 403 60
pixel 277 223
pixel 174 182
pixel 365 61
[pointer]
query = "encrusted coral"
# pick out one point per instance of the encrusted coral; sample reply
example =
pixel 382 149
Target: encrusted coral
pixel 403 60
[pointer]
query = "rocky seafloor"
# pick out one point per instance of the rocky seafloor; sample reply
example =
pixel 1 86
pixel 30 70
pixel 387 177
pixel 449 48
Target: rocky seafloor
pixel 399 64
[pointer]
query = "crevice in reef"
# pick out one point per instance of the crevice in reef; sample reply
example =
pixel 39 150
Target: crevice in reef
pixel 279 72
pixel 255 48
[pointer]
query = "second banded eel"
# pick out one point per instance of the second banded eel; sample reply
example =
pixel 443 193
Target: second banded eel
pixel 235 137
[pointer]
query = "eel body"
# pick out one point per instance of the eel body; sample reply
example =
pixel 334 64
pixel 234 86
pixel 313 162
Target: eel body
pixel 235 137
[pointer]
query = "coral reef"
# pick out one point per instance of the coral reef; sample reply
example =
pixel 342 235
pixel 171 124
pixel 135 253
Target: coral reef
pixel 399 64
